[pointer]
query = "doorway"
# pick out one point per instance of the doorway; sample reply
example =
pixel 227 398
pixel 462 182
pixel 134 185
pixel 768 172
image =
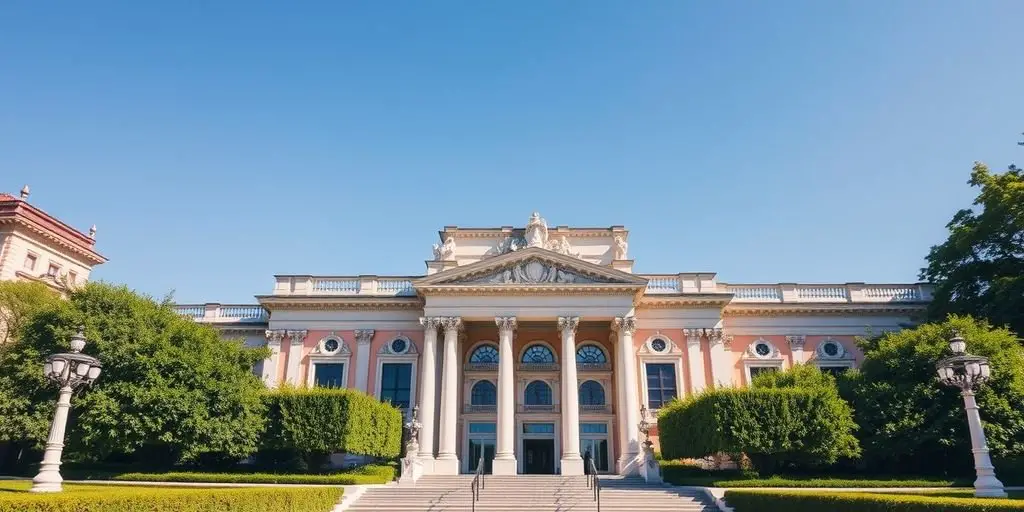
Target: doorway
pixel 538 456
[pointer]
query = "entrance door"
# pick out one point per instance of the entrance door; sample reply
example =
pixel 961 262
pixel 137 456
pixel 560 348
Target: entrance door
pixel 478 447
pixel 538 456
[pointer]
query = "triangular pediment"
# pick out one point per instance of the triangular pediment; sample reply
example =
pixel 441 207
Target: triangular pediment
pixel 532 267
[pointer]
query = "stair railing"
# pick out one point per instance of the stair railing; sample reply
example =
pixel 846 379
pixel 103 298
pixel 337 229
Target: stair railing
pixel 478 482
pixel 593 482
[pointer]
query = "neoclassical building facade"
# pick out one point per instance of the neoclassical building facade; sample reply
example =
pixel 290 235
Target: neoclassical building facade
pixel 533 346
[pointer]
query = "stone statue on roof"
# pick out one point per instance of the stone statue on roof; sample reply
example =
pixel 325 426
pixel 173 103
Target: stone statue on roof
pixel 537 231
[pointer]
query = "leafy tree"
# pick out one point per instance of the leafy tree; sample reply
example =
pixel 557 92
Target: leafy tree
pixel 19 301
pixel 911 423
pixel 799 376
pixel 171 389
pixel 979 269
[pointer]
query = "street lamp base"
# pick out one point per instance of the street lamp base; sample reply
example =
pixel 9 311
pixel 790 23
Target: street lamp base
pixel 48 480
pixel 988 486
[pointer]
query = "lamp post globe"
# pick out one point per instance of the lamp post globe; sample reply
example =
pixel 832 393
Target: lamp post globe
pixel 968 373
pixel 70 371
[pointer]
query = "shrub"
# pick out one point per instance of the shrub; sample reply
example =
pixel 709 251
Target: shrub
pixel 314 423
pixel 810 501
pixel 306 499
pixel 775 428
pixel 362 476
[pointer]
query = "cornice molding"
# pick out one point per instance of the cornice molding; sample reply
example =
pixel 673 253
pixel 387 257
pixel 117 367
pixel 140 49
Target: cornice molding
pixel 682 300
pixel 91 256
pixel 312 302
pixel 822 309
pixel 531 289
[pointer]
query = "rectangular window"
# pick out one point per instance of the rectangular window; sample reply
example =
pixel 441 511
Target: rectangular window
pixel 483 428
pixel 30 261
pixel 72 277
pixel 328 375
pixel 396 383
pixel 53 270
pixel 758 370
pixel 593 428
pixel 661 384
pixel 538 428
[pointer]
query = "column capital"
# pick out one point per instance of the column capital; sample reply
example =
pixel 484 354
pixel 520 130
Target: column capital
pixel 274 337
pixel 505 323
pixel 568 323
pixel 430 322
pixel 796 341
pixel 298 335
pixel 693 335
pixel 364 336
pixel 716 336
pixel 625 324
pixel 451 323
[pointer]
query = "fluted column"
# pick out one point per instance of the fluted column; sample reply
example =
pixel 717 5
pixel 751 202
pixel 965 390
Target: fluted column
pixel 504 453
pixel 447 459
pixel 270 364
pixel 363 339
pixel 572 463
pixel 721 365
pixel 796 346
pixel 629 409
pixel 428 376
pixel 295 357
pixel 695 360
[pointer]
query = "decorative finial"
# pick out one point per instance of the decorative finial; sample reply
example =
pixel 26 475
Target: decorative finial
pixel 78 340
pixel 24 192
pixel 92 232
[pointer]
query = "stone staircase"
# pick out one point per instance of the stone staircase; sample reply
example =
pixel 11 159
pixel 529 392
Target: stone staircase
pixel 533 493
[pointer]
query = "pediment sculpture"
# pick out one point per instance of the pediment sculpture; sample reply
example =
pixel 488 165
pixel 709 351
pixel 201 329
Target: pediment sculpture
pixel 534 272
pixel 536 231
pixel 446 251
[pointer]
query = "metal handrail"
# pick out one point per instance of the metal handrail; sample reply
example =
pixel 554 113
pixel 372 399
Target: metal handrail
pixel 593 482
pixel 478 482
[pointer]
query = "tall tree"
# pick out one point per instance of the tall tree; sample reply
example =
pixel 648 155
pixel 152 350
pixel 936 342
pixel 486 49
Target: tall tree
pixel 19 301
pixel 171 389
pixel 979 269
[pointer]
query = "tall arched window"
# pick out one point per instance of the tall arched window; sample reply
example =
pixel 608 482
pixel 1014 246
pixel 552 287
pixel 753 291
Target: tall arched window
pixel 484 354
pixel 538 354
pixel 591 354
pixel 591 393
pixel 484 393
pixel 538 393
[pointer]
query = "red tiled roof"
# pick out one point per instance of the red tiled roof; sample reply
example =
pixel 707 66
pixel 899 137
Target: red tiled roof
pixel 15 209
pixel 7 197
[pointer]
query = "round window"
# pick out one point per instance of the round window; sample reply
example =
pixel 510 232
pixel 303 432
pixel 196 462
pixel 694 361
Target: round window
pixel 658 345
pixel 831 349
pixel 762 349
pixel 331 345
pixel 399 345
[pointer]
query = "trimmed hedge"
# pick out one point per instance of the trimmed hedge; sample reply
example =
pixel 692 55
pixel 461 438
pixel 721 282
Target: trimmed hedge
pixel 314 423
pixel 120 499
pixel 679 473
pixel 809 501
pixel 775 427
pixel 362 476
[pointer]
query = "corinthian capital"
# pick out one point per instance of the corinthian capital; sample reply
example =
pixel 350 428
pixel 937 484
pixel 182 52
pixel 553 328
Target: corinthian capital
pixel 625 324
pixel 451 323
pixel 716 336
pixel 275 337
pixel 796 341
pixel 568 322
pixel 505 323
pixel 693 335
pixel 430 322
pixel 364 336
pixel 297 336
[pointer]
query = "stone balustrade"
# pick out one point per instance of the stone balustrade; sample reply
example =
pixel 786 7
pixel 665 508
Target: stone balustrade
pixel 223 313
pixel 671 284
pixel 344 285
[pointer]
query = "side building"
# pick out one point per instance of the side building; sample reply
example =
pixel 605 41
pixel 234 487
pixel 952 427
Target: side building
pixel 535 345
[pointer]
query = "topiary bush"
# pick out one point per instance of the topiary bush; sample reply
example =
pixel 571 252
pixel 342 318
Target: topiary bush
pixel 815 501
pixel 121 499
pixel 777 428
pixel 311 424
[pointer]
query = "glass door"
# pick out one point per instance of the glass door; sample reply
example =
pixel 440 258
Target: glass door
pixel 477 447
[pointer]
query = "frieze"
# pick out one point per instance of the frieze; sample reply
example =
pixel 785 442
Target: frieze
pixel 534 271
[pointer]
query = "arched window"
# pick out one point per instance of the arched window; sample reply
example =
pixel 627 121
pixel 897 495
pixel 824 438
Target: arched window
pixel 538 393
pixel 591 393
pixel 484 393
pixel 538 354
pixel 484 354
pixel 591 354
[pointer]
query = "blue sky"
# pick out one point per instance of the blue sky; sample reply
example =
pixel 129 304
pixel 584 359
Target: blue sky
pixel 218 143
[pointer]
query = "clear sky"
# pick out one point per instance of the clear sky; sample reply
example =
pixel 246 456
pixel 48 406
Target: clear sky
pixel 216 144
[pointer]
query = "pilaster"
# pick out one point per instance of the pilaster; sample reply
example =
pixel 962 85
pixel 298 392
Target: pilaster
pixel 721 367
pixel 295 356
pixel 796 346
pixel 363 339
pixel 270 364
pixel 695 360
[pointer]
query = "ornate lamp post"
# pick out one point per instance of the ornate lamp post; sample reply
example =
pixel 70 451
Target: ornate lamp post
pixel 71 371
pixel 968 373
pixel 649 468
pixel 412 467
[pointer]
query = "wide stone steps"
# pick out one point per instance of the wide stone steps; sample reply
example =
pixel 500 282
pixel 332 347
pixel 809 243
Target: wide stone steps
pixel 534 493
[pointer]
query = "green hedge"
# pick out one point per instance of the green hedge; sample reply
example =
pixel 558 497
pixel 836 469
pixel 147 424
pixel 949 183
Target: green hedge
pixel 314 423
pixel 362 476
pixel 809 501
pixel 681 473
pixel 120 499
pixel 776 428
